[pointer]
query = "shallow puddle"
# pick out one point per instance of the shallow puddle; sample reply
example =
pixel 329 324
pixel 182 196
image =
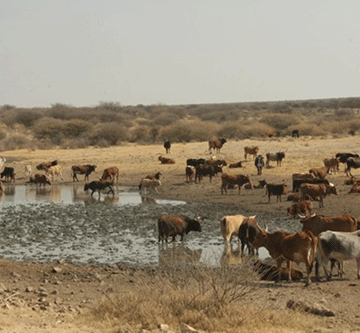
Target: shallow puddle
pixel 64 222
pixel 71 194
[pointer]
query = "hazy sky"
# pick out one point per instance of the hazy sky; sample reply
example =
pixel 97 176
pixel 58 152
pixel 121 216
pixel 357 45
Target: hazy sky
pixel 133 52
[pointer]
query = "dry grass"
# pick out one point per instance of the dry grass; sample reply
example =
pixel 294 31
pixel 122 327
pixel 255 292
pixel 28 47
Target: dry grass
pixel 208 299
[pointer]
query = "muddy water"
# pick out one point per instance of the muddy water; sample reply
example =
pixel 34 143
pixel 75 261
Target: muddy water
pixel 64 222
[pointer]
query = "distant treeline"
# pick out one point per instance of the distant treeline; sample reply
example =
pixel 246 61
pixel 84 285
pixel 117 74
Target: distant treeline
pixel 113 124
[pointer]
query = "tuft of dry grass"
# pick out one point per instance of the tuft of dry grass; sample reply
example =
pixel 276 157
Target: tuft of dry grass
pixel 212 299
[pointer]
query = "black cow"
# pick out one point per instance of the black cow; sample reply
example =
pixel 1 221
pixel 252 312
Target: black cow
pixel 259 163
pixel 352 162
pixel 298 182
pixel 167 146
pixel 343 157
pixel 195 161
pixel 276 189
pixel 98 185
pixel 86 170
pixel 247 233
pixel 9 174
pixel 173 225
pixel 205 170
pixel 295 133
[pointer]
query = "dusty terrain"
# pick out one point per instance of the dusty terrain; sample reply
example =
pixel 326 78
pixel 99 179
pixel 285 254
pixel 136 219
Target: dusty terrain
pixel 56 297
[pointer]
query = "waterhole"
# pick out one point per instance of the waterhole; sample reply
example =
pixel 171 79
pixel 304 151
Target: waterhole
pixel 64 222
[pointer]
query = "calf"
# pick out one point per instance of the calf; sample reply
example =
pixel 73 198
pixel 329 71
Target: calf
pixel 236 165
pixel 173 225
pixel 86 170
pixel 340 246
pixel 278 157
pixel 9 174
pixel 111 173
pixel 276 189
pixel 300 208
pixel 151 184
pixel 238 180
pixel 189 173
pixel 99 185
pixel 165 160
pixel 332 164
pixel 28 170
pixel 53 171
pixel 39 179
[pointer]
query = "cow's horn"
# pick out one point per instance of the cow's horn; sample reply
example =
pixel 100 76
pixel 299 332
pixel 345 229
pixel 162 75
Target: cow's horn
pixel 266 228
pixel 301 216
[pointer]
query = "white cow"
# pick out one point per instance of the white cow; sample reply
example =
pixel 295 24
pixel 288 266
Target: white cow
pixel 53 171
pixel 230 225
pixel 28 170
pixel 340 246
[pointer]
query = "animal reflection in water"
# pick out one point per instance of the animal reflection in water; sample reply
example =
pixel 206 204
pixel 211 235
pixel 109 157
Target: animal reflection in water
pixel 54 193
pixel 178 254
pixel 231 256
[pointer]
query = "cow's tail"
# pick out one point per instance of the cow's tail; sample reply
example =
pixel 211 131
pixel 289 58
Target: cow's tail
pixel 312 249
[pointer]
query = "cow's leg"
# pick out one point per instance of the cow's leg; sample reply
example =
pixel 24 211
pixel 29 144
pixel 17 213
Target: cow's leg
pixel 289 270
pixel 358 268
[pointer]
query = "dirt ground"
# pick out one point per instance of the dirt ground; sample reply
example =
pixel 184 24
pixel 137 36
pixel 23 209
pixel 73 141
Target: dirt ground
pixel 55 297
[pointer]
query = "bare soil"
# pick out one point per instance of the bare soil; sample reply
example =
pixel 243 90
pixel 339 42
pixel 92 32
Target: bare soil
pixel 56 297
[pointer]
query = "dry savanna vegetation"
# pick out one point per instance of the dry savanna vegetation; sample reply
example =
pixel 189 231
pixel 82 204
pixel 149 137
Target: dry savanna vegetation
pixel 111 124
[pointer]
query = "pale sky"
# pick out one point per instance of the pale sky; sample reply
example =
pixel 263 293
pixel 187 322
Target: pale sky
pixel 83 52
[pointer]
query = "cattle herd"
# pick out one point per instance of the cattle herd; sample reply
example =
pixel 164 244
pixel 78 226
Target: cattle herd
pixel 323 239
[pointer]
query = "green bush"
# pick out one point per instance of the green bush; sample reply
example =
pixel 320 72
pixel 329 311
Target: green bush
pixel 107 134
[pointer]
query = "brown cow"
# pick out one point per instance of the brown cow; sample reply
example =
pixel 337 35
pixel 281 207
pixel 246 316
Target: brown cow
pixel 216 144
pixel 320 172
pixel 251 151
pixel 317 192
pixel 39 179
pixel 165 160
pixel 238 180
pixel 111 173
pixel 276 189
pixel 355 188
pixel 86 170
pixel 46 165
pixel 236 165
pixel 300 208
pixel 284 246
pixel 332 164
pixel 173 225
pixel 319 223
pixel 270 134
pixel 270 272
